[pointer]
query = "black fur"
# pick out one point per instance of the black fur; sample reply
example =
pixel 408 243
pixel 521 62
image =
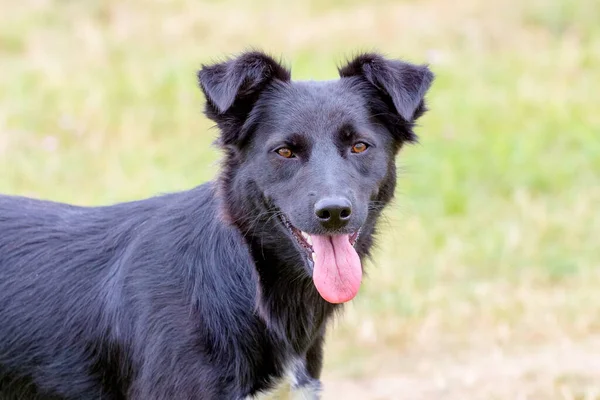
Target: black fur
pixel 205 294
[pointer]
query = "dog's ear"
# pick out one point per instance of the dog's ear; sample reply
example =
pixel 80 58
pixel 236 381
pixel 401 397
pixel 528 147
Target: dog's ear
pixel 232 87
pixel 402 86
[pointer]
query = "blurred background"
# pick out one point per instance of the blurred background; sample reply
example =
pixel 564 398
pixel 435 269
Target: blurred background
pixel 486 279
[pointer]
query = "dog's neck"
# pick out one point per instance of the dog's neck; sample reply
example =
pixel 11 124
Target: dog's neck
pixel 287 299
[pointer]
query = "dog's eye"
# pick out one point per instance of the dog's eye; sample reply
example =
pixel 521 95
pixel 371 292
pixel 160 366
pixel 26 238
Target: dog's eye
pixel 285 152
pixel 359 147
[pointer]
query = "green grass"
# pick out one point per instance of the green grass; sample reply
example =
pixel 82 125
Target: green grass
pixel 494 238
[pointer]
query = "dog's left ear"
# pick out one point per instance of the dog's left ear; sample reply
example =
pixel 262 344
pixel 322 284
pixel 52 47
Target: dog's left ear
pixel 232 87
pixel 402 84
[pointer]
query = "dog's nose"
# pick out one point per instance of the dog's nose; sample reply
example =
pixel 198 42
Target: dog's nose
pixel 333 212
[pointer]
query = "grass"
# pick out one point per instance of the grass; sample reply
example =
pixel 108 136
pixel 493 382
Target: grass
pixel 493 241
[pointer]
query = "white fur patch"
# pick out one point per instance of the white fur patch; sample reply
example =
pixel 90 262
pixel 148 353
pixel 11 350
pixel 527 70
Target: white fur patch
pixel 310 390
pixel 307 392
pixel 302 393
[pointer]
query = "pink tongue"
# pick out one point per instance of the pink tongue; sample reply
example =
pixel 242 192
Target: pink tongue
pixel 337 272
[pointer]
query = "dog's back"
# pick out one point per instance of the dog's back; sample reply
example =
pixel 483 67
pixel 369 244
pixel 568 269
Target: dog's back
pixel 52 260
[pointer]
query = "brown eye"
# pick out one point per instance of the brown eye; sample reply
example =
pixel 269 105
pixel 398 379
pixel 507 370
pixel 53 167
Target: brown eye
pixel 285 152
pixel 359 147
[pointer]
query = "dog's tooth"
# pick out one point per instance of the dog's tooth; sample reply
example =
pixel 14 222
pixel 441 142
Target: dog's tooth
pixel 314 256
pixel 308 239
pixel 304 235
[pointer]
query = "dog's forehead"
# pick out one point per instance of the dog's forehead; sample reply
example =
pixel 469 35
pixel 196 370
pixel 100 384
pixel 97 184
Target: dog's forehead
pixel 318 106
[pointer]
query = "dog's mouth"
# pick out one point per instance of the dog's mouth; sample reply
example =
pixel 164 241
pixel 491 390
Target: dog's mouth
pixel 305 240
pixel 337 269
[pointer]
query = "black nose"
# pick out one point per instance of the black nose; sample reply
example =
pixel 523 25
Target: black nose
pixel 333 212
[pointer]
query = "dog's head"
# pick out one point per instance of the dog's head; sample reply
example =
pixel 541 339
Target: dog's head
pixel 310 165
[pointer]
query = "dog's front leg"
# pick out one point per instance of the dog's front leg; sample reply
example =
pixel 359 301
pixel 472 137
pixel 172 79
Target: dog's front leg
pixel 306 374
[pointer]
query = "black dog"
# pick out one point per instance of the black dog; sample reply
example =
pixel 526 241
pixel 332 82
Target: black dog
pixel 216 292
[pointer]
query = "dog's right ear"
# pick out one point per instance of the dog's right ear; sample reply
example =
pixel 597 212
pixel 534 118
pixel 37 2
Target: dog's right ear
pixel 232 87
